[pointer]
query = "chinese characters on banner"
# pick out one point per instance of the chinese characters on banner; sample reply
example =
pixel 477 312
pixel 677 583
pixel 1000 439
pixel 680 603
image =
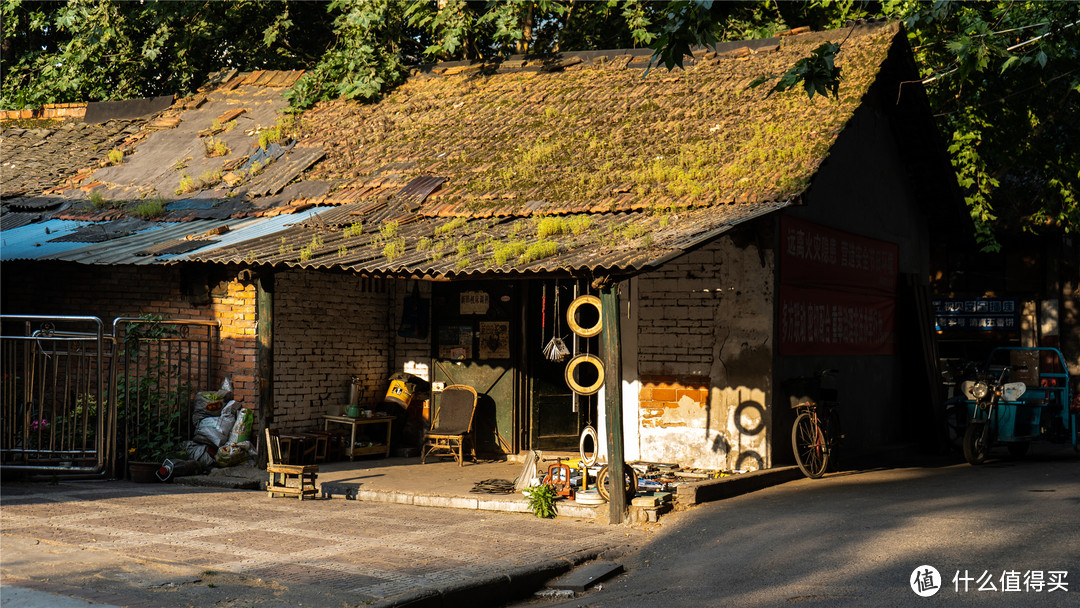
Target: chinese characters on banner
pixel 977 314
pixel 837 291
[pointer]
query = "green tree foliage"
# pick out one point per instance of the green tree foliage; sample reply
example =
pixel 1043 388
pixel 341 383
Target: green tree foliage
pixel 1002 77
pixel 93 50
pixel 1001 74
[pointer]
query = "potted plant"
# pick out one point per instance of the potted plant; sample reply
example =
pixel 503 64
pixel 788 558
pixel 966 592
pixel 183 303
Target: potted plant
pixel 149 400
pixel 156 440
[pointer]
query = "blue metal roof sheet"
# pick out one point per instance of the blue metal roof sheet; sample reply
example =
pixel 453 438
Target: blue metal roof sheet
pixel 31 242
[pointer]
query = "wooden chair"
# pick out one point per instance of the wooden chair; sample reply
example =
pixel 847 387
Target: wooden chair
pixel 452 425
pixel 281 474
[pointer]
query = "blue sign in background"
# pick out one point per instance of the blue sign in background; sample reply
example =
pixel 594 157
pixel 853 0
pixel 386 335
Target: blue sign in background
pixel 977 314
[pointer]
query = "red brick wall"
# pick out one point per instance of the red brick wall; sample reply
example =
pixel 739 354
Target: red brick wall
pixel 660 393
pixel 108 292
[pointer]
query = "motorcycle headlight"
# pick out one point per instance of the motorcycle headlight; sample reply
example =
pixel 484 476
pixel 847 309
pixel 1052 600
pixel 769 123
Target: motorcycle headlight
pixel 979 390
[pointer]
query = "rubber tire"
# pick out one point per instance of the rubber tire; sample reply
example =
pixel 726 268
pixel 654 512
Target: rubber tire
pixel 589 432
pixel 812 461
pixel 630 483
pixel 975 453
pixel 571 316
pixel 1018 449
pixel 573 384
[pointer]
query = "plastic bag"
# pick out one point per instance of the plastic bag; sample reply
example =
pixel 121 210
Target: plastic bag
pixel 233 454
pixel 215 431
pixel 210 403
pixel 241 431
pixel 201 453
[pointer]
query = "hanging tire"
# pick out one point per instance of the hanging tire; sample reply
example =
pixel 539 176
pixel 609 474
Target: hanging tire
pixel 585 434
pixel 571 316
pixel 573 383
pixel 629 482
pixel 808 443
pixel 976 442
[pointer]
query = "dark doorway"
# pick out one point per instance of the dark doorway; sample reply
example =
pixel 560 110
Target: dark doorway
pixel 556 415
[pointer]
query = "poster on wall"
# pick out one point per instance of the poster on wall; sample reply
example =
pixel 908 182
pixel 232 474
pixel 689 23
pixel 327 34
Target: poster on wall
pixel 474 302
pixel 455 341
pixel 494 340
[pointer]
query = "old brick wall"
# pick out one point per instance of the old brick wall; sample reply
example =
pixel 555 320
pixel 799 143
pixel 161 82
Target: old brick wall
pixel 328 327
pixel 704 350
pixel 109 292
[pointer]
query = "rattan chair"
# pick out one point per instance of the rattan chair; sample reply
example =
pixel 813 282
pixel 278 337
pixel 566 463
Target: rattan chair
pixel 452 425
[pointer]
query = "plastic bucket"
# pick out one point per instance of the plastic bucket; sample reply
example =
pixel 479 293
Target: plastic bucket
pixel 399 392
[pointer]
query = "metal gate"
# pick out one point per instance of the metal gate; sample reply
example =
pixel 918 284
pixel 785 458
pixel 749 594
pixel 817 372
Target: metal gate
pixel 75 400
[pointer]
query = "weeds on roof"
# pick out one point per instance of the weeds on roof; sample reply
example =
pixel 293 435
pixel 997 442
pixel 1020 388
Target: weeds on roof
pixel 354 229
pixel 186 185
pixel 450 226
pixel 215 147
pixel 551 225
pixel 116 156
pixel 394 249
pixel 389 230
pixel 150 209
pixel 98 201
pixel 462 264
pixel 505 251
pixel 539 251
pixel 424 244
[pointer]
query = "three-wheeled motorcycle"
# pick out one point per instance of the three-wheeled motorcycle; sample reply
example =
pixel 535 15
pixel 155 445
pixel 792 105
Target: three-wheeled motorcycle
pixel 1021 395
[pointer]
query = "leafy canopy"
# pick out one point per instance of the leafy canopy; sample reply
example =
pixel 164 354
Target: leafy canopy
pixel 1002 75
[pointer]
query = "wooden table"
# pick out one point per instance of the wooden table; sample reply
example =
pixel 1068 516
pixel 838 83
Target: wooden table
pixel 351 450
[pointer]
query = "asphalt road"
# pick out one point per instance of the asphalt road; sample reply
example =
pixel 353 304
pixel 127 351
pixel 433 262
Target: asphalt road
pixel 856 539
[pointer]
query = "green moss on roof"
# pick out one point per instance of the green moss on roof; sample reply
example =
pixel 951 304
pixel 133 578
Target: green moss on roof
pixel 599 137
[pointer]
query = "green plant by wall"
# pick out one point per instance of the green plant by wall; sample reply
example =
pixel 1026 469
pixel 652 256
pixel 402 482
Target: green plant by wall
pixel 116 156
pixel 542 501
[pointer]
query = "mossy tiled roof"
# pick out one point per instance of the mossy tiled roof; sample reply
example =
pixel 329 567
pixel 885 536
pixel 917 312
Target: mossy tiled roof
pixel 588 163
pixel 593 166
pixel 600 135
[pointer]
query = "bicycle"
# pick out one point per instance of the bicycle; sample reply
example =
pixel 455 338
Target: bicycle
pixel 816 431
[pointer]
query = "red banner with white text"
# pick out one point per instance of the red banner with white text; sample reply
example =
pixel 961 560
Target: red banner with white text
pixel 837 291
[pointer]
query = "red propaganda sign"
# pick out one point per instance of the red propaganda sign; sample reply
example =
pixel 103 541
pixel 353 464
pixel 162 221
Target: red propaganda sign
pixel 819 256
pixel 822 322
pixel 837 291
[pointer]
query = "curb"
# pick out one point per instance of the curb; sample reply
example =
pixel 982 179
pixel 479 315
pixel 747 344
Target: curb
pixel 726 487
pixel 490 589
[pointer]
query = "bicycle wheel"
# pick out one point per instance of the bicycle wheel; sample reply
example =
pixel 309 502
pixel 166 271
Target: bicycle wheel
pixel 808 443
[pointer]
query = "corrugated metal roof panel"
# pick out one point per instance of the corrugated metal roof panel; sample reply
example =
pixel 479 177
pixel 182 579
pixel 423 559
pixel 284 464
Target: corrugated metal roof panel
pixel 623 241
pixel 125 250
pixel 34 241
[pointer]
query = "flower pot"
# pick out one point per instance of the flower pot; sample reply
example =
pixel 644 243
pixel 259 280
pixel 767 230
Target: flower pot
pixel 143 472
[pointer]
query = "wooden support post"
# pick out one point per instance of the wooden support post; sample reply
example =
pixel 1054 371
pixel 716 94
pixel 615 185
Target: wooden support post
pixel 609 307
pixel 264 350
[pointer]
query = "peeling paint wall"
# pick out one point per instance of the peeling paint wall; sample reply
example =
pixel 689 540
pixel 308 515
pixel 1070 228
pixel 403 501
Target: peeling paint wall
pixel 704 352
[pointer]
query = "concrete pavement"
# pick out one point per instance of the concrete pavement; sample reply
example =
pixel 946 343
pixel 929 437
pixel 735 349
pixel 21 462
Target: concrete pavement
pixel 125 544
